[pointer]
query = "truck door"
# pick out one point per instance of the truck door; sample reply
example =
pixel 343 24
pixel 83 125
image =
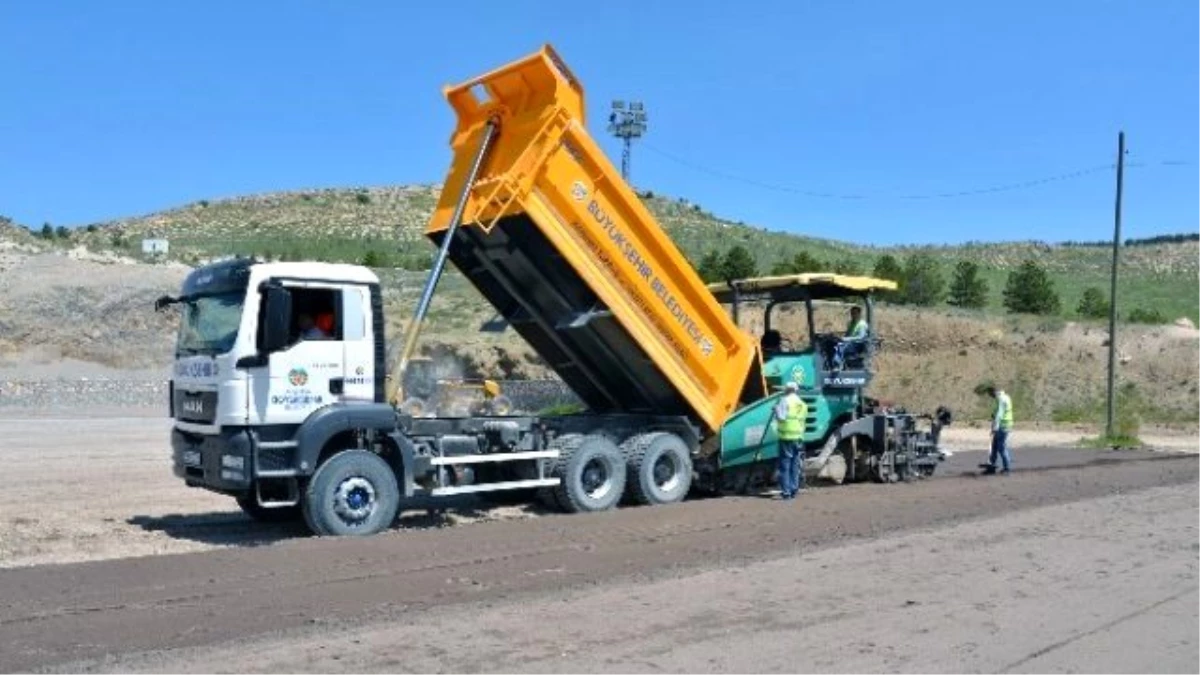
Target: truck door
pixel 309 373
pixel 358 344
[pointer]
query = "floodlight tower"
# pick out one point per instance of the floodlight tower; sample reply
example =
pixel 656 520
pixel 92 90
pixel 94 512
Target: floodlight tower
pixel 627 124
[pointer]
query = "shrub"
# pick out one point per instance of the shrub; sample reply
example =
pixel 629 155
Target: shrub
pixel 1093 304
pixel 1152 316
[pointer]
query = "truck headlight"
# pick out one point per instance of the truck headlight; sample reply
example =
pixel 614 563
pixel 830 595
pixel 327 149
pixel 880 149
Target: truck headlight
pixel 233 462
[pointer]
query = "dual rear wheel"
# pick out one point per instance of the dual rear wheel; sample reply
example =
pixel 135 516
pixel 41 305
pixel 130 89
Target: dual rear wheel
pixel 596 474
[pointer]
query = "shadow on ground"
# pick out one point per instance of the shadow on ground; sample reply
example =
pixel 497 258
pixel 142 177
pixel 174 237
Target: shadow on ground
pixel 220 528
pixel 234 528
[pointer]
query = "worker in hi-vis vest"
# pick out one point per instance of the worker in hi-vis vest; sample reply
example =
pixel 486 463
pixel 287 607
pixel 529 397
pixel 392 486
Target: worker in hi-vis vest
pixel 790 414
pixel 1002 422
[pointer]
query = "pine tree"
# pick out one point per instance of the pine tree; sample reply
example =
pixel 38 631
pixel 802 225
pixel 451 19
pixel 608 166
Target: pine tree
pixel 800 263
pixel 1030 291
pixel 887 268
pixel 709 268
pixel 921 282
pixel 738 264
pixel 967 289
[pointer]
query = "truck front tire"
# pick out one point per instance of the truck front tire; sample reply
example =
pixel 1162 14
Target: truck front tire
pixel 353 493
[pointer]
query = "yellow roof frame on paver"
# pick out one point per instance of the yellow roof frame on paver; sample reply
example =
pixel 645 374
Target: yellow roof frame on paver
pixel 810 285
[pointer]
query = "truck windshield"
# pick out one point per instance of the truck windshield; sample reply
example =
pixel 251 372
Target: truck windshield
pixel 209 323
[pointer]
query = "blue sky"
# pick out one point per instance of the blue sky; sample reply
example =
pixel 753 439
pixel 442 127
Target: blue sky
pixel 121 108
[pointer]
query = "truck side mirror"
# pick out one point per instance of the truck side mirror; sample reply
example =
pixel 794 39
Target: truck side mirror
pixel 277 317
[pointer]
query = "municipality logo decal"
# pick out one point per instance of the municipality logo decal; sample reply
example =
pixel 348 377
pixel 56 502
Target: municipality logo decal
pixel 798 375
pixel 579 191
pixel 298 377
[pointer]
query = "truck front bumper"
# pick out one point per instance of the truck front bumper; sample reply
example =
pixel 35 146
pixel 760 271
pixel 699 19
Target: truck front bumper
pixel 221 462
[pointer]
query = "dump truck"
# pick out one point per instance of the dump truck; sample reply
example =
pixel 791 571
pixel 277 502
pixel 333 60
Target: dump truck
pixel 676 394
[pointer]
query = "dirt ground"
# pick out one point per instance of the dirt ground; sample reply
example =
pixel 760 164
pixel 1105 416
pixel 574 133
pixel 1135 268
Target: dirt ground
pixel 108 478
pixel 1079 587
pixel 108 563
pixel 101 487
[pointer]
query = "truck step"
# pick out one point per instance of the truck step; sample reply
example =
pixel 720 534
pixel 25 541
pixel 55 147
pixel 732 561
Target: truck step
pixel 493 487
pixel 497 457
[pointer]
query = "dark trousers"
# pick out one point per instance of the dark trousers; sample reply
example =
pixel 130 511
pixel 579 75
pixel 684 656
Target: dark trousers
pixel 791 471
pixel 1000 450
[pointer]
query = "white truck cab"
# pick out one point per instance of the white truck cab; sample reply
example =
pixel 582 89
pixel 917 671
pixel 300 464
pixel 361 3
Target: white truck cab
pixel 261 348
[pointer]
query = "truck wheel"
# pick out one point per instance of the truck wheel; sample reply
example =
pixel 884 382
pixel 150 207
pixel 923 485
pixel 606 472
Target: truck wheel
pixel 353 493
pixel 592 472
pixel 250 506
pixel 548 496
pixel 659 468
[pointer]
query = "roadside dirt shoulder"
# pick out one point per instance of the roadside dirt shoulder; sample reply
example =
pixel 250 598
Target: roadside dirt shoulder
pixel 59 613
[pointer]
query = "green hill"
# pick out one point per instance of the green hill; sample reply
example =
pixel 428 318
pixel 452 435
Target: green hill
pixel 382 226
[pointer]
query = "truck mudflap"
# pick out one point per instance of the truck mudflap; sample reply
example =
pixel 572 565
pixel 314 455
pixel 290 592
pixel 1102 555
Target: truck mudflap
pixel 561 245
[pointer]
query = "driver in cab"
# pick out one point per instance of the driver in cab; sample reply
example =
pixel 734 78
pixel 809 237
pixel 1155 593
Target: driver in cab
pixel 856 336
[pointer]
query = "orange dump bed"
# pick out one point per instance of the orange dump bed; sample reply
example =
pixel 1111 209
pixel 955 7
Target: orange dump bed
pixel 556 240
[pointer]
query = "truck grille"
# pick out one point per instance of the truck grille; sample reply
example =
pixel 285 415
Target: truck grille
pixel 195 406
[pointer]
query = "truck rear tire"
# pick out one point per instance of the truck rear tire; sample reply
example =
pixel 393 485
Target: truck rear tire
pixel 353 493
pixel 592 472
pixel 659 468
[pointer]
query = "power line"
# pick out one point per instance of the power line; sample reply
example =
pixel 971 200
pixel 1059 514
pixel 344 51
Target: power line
pixel 942 195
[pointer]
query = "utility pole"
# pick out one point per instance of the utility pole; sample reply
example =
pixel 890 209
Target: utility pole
pixel 627 124
pixel 1112 298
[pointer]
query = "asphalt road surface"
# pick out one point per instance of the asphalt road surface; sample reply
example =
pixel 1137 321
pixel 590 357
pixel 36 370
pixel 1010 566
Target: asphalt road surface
pixel 1078 561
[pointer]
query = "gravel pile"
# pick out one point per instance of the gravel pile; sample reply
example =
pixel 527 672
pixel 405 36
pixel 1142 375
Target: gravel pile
pixel 526 395
pixel 79 394
pixel 534 395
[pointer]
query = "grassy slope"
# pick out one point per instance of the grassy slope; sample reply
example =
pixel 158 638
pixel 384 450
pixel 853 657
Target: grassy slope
pixel 1054 371
pixel 344 224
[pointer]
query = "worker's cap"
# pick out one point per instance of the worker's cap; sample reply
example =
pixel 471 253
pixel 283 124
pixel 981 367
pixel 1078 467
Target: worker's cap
pixel 792 385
